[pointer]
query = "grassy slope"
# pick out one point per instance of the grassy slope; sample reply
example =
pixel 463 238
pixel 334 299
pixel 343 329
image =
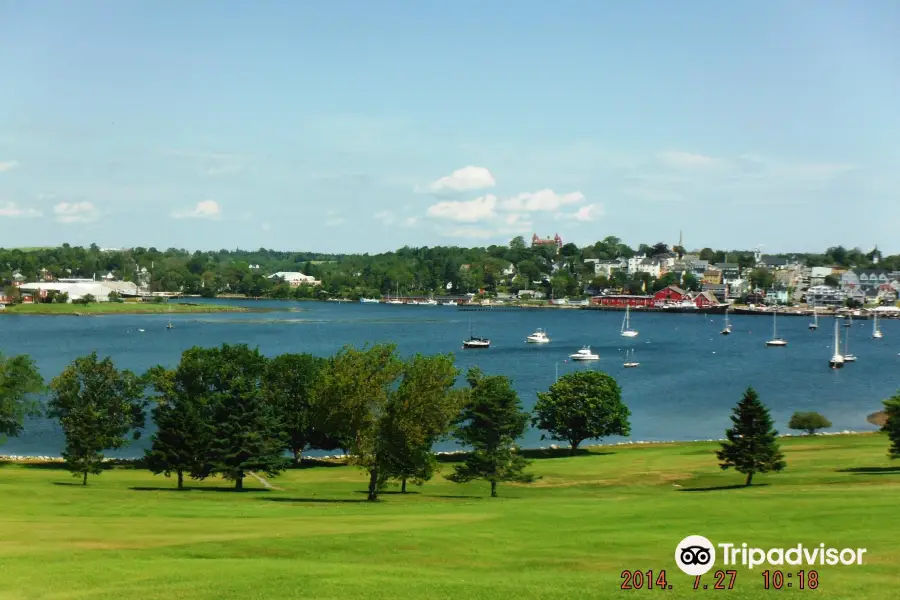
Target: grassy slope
pixel 567 536
pixel 105 308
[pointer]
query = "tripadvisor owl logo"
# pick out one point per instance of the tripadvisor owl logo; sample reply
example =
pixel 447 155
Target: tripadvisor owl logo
pixel 695 555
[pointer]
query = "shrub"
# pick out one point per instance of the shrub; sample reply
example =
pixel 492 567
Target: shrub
pixel 808 422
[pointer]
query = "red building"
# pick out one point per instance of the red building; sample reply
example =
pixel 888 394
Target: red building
pixel 622 300
pixel 670 294
pixel 554 241
pixel 706 299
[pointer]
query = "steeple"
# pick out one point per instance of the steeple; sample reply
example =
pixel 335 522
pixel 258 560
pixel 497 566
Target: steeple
pixel 681 238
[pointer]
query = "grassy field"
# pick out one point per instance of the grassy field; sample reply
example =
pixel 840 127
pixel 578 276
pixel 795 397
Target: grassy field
pixel 129 534
pixel 118 308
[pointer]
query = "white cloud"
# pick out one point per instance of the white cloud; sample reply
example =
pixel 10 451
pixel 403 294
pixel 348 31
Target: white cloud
pixel 541 201
pixel 410 221
pixel 14 211
pixel 589 212
pixel 8 165
pixel 463 180
pixel 484 233
pixel 465 211
pixel 76 212
pixel 385 216
pixel 689 160
pixel 206 209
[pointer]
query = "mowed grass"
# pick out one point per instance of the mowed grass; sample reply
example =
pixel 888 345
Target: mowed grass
pixel 105 308
pixel 129 534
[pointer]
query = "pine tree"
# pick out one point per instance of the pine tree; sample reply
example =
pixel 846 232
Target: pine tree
pixel 752 445
pixel 892 424
pixel 490 424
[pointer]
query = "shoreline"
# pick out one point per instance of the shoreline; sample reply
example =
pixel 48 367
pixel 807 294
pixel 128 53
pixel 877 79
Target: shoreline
pixel 552 448
pixel 127 308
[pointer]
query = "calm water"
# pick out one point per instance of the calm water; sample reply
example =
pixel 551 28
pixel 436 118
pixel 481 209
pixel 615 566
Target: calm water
pixel 689 378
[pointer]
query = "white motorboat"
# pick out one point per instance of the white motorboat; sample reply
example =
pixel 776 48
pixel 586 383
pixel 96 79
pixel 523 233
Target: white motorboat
pixel 727 329
pixel 876 331
pixel 837 360
pixel 627 331
pixel 429 302
pixel 584 355
pixel 538 337
pixel 394 301
pixel 775 341
pixel 369 301
pixel 450 303
pixel 630 363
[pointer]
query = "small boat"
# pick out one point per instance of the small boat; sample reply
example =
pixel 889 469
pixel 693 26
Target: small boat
pixel 169 326
pixel 727 329
pixel 847 356
pixel 450 303
pixel 815 323
pixel 876 331
pixel 141 330
pixel 837 360
pixel 776 341
pixel 429 302
pixel 584 355
pixel 630 364
pixel 627 331
pixel 848 321
pixel 475 343
pixel 369 300
pixel 538 337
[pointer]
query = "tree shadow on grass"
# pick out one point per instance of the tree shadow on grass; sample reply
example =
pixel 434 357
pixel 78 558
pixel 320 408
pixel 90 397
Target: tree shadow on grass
pixel 319 500
pixel 716 488
pixel 389 492
pixel 199 489
pixel 50 466
pixel 69 483
pixel 545 453
pixel 871 470
pixel 312 463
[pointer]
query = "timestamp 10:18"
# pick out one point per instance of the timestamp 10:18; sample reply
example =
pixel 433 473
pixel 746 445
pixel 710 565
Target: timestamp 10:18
pixel 775 580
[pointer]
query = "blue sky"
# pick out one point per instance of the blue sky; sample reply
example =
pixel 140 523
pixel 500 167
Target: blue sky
pixel 364 126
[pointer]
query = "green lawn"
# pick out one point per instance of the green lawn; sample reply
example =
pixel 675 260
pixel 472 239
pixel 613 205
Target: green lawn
pixel 128 534
pixel 106 308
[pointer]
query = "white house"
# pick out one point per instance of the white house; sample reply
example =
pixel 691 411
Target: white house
pixel 295 278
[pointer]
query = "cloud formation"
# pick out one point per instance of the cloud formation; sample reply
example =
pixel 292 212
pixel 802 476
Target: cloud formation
pixel 206 209
pixel 76 212
pixel 8 165
pixel 465 211
pixel 14 211
pixel 466 179
pixel 545 200
pixel 586 213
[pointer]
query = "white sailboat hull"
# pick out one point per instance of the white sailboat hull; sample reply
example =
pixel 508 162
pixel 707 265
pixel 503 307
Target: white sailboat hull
pixel 836 362
pixel 776 343
pixel 629 334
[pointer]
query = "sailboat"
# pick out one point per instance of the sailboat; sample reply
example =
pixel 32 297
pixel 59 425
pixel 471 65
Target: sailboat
pixel 396 299
pixel 630 364
pixel 627 331
pixel 848 321
pixel 775 341
pixel 876 332
pixel 727 329
pixel 847 356
pixel 837 361
pixel 815 324
pixel 169 326
pixel 475 343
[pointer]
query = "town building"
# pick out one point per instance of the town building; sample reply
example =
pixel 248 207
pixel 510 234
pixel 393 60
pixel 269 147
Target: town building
pixel 817 275
pixel 296 279
pixel 820 296
pixel 670 295
pixel 554 241
pixel 622 300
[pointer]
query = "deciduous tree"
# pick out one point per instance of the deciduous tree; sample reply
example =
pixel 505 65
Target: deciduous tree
pixel 489 426
pixel 289 382
pixel 97 406
pixel 751 444
pixel 581 406
pixel 808 422
pixel 892 424
pixel 20 381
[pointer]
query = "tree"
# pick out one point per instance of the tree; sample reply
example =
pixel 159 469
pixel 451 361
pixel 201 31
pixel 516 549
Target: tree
pixel 356 386
pixel 761 279
pixel 20 381
pixel 418 413
pixel 751 445
pixel 892 424
pixel 97 405
pixel 181 442
pixel 690 282
pixel 245 431
pixel 289 381
pixel 808 422
pixel 832 281
pixel 490 424
pixel 580 406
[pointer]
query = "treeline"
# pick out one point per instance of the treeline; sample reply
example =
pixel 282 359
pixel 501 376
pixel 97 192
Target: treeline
pixel 230 411
pixel 424 270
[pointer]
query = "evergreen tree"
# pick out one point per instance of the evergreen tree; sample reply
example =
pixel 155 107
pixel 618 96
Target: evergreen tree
pixel 892 424
pixel 751 446
pixel 245 433
pixel 97 406
pixel 489 426
pixel 181 442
